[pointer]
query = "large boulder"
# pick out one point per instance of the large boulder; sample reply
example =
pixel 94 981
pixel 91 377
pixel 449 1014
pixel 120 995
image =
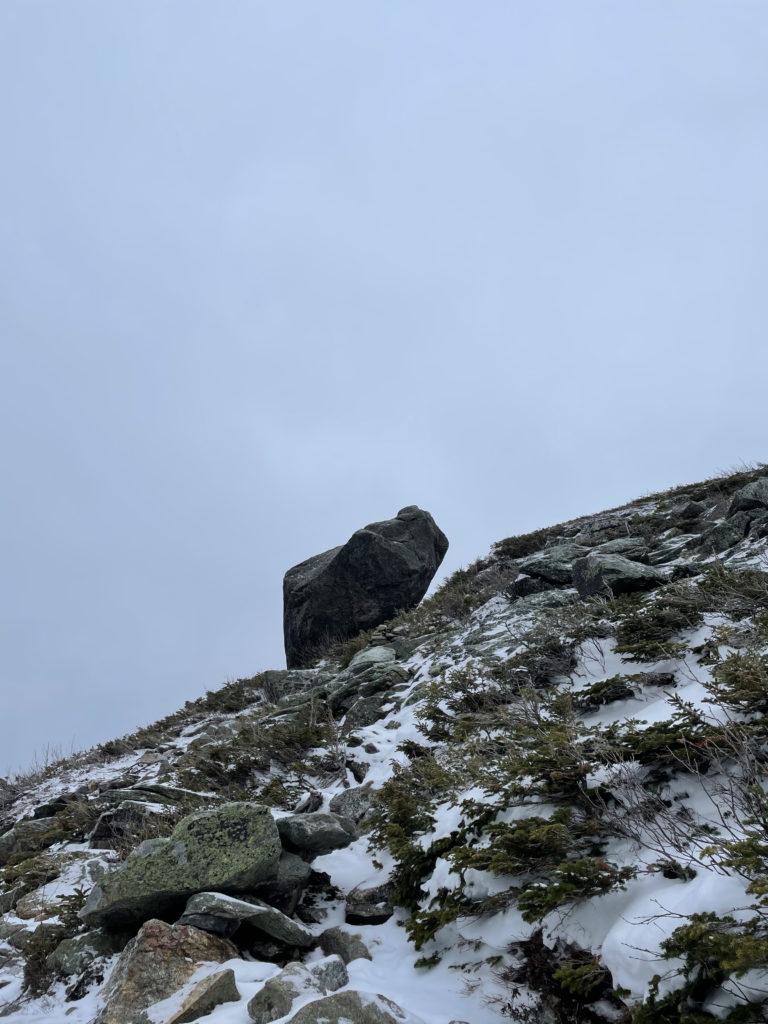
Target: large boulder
pixel 598 573
pixel 230 849
pixel 156 964
pixel 383 568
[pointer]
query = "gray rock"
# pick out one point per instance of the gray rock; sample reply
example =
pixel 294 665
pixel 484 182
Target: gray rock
pixel 371 656
pixel 753 496
pixel 28 837
pixel 211 991
pixel 383 568
pixel 285 890
pixel 726 534
pixel 369 906
pixel 526 586
pixel 330 972
pixel 317 833
pixel 348 946
pixel 230 849
pixel 597 573
pixel 72 956
pixel 353 803
pixel 216 912
pixel 554 565
pixel 365 711
pixel 633 548
pixel 118 824
pixel 277 996
pixel 352 1007
pixel 155 965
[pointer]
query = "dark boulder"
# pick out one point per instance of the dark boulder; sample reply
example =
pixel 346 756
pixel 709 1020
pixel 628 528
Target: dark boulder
pixel 598 573
pixel 383 568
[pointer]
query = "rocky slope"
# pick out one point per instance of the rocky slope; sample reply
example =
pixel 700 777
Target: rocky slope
pixel 539 796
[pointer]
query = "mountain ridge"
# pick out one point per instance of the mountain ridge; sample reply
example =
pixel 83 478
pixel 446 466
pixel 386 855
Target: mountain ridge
pixel 514 817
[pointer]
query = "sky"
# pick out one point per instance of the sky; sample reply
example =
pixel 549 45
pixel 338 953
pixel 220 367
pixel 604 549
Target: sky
pixel 270 272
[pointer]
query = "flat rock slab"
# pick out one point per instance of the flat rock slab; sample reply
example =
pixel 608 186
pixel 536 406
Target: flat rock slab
pixel 215 911
pixel 230 849
pixel 316 833
pixel 203 998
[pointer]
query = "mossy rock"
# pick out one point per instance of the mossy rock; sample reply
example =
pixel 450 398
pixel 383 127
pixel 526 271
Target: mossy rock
pixel 230 849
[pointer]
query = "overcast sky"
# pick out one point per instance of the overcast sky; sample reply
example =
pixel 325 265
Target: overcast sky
pixel 271 271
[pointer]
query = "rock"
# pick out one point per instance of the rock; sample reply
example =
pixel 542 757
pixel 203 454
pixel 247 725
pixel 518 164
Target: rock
pixel 753 496
pixel 118 825
pixel 633 548
pixel 59 803
pixel 725 535
pixel 554 565
pixel 29 837
pixel 353 803
pixel 330 972
pixel 353 1007
pixel 230 849
pixel 597 573
pixel 203 998
pixel 383 568
pixel 155 965
pixel 369 906
pixel 284 892
pixel 348 946
pixel 370 656
pixel 216 912
pixel 276 998
pixel 317 833
pixel 525 586
pixel 365 711
pixel 72 956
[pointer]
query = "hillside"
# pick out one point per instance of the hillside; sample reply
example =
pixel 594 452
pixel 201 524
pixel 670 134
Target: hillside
pixel 538 796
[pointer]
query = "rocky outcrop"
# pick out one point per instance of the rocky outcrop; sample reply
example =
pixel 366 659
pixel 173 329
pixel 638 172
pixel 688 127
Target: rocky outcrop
pixel 555 564
pixel 753 496
pixel 230 849
pixel 155 965
pixel 383 568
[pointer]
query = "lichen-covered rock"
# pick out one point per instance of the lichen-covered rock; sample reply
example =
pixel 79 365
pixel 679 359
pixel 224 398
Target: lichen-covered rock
pixel 634 548
pixel 155 965
pixel 222 914
pixel 383 568
pixel 316 833
pixel 230 849
pixel 345 944
pixel 330 972
pixel 598 573
pixel 277 996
